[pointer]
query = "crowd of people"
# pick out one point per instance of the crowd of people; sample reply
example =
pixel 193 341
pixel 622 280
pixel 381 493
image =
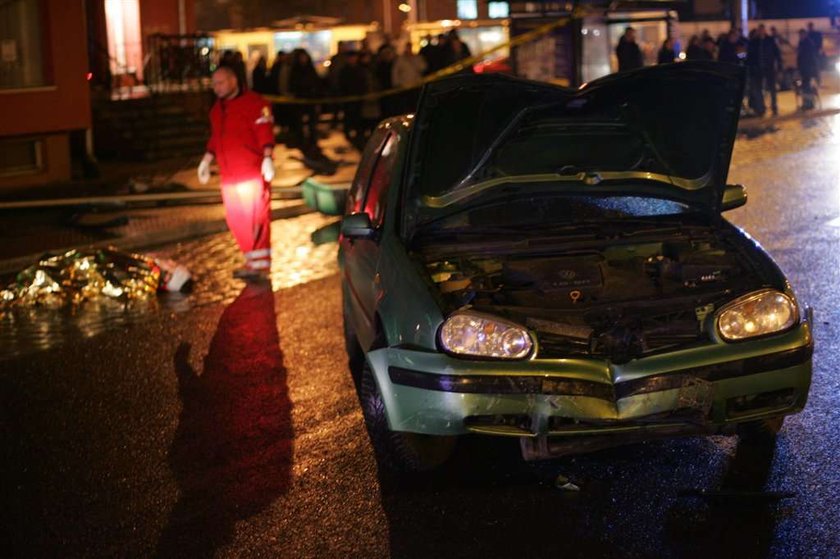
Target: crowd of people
pixel 365 76
pixel 354 71
pixel 760 52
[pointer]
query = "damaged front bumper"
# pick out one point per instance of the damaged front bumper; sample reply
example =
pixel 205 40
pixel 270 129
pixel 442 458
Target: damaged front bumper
pixel 697 390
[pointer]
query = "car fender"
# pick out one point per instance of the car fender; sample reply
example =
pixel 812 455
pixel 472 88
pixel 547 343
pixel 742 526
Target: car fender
pixel 407 310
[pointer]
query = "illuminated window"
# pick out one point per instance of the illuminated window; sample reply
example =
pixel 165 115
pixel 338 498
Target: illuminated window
pixel 497 9
pixel 122 21
pixel 21 57
pixel 467 9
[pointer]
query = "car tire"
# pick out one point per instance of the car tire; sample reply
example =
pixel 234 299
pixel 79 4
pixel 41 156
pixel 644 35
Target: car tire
pixel 762 431
pixel 399 452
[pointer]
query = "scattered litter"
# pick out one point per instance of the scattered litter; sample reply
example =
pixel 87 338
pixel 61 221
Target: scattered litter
pixel 173 276
pixel 565 484
pixel 78 276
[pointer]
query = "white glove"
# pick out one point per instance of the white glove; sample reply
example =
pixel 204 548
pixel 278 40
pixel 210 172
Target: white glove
pixel 204 171
pixel 267 169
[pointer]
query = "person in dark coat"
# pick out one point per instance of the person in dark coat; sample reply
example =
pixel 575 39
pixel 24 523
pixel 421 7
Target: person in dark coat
pixel 728 48
pixel 278 79
pixel 383 67
pixel 431 53
pixel 260 78
pixel 709 49
pixel 305 83
pixel 817 40
pixel 238 65
pixel 454 50
pixel 807 62
pixel 807 57
pixel 666 53
pixel 628 52
pixel 764 60
pixel 695 49
pixel 354 80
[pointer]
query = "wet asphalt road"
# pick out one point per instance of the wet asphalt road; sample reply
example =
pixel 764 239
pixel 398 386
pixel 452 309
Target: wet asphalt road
pixel 225 423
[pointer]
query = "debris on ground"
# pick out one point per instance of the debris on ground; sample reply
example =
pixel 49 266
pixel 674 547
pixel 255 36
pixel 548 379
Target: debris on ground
pixel 565 484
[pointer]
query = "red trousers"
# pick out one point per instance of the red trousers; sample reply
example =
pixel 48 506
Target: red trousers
pixel 248 215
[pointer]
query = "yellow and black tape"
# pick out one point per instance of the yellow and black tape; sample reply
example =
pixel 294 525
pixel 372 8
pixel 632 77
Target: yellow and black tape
pixel 442 73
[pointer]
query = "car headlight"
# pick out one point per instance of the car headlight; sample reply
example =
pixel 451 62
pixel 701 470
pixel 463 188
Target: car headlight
pixel 480 335
pixel 757 314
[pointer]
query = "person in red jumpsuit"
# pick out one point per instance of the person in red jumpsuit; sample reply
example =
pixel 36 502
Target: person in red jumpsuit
pixel 241 142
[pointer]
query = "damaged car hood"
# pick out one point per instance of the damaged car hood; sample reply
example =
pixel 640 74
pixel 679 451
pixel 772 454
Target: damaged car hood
pixel 665 131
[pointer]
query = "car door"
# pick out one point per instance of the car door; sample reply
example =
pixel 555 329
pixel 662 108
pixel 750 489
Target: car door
pixel 361 256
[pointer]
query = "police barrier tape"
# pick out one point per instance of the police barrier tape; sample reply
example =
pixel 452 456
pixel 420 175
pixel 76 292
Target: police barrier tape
pixel 442 73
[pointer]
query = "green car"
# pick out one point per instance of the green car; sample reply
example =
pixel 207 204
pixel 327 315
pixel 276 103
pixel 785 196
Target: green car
pixel 524 260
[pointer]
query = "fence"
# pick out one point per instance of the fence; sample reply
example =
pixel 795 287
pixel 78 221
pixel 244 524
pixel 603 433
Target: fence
pixel 179 62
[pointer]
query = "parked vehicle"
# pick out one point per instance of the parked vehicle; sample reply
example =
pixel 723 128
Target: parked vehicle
pixel 525 260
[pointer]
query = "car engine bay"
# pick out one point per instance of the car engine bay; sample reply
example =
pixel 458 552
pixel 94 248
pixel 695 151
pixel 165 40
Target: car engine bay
pixel 618 301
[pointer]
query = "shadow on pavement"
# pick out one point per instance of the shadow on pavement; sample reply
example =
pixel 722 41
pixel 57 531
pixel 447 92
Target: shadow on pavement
pixel 736 520
pixel 232 452
pixel 757 130
pixel 490 503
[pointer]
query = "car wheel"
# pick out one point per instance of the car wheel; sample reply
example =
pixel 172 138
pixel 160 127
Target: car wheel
pixel 399 452
pixel 763 431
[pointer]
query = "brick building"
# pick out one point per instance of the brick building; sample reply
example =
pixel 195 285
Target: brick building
pixel 51 53
pixel 44 92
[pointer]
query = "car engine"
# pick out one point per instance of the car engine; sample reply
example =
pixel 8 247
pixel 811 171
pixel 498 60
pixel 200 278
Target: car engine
pixel 620 301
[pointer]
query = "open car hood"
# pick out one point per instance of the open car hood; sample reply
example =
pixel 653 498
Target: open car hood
pixel 664 131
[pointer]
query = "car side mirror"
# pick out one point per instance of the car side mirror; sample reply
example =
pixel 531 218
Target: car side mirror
pixel 357 226
pixel 734 196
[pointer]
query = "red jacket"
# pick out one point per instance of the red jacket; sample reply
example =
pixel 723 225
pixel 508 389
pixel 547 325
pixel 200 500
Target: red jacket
pixel 240 130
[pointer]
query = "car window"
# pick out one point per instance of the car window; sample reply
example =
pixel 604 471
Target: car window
pixel 356 195
pixel 380 180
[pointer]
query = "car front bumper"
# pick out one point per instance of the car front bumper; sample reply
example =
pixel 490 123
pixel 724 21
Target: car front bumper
pixel 700 389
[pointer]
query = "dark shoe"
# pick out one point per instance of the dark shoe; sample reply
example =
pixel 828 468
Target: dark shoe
pixel 248 274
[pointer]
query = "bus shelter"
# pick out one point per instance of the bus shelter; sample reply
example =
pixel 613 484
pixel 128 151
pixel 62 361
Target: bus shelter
pixel 581 46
